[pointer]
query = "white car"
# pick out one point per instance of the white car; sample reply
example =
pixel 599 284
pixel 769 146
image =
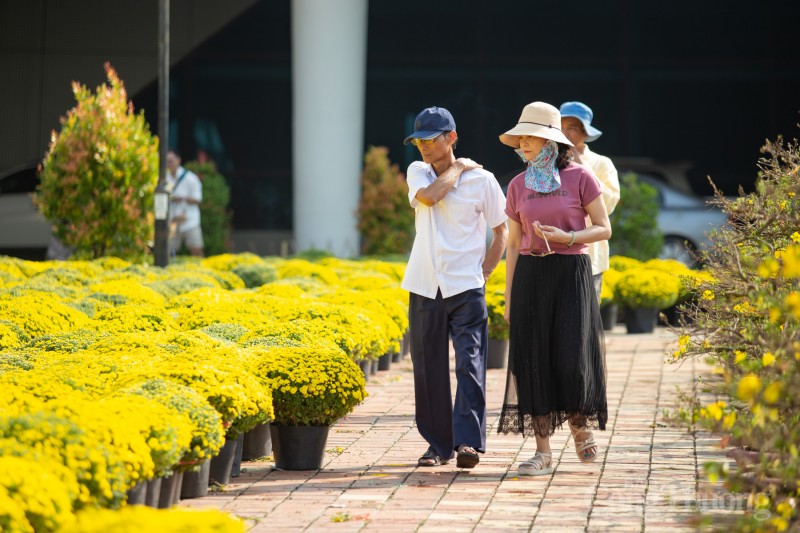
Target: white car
pixel 24 232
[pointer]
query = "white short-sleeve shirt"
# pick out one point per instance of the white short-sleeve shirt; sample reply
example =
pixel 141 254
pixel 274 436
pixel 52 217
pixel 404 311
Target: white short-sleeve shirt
pixel 450 243
pixel 189 186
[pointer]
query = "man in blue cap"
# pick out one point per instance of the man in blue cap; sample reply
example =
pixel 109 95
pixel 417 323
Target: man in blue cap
pixel 576 123
pixel 453 200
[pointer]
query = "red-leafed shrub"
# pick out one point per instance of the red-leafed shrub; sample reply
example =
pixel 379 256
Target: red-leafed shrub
pixel 99 175
pixel 385 219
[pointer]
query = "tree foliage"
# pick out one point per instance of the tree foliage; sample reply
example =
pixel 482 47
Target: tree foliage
pixel 385 219
pixel 635 221
pixel 99 175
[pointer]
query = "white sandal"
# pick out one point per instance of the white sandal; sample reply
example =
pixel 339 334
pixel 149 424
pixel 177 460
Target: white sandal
pixel 583 447
pixel 538 465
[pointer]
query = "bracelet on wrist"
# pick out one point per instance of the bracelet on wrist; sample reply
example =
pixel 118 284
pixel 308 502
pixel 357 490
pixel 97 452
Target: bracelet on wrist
pixel 572 240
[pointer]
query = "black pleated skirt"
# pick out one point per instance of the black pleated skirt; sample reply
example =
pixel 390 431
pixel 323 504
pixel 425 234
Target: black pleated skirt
pixel 556 359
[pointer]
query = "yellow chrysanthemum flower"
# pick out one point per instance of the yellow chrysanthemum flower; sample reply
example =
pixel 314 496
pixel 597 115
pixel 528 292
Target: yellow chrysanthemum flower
pixel 748 387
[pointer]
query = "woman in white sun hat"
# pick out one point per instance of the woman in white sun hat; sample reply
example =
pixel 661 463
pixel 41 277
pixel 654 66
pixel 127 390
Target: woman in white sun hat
pixel 556 371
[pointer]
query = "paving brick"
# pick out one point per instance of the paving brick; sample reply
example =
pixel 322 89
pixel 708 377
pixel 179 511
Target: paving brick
pixel 645 477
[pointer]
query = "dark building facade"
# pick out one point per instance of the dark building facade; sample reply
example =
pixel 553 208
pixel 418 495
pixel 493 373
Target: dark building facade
pixel 700 82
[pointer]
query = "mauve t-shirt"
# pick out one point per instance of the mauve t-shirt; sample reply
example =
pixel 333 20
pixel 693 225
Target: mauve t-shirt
pixel 563 208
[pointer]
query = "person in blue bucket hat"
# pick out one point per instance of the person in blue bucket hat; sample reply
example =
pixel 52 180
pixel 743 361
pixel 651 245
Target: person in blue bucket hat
pixel 453 200
pixel 576 123
pixel 584 114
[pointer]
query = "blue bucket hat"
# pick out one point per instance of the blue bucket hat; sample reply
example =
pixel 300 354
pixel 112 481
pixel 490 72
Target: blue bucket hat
pixel 430 122
pixel 583 113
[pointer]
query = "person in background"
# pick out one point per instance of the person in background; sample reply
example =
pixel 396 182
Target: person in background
pixel 187 193
pixel 453 200
pixel 556 368
pixel 576 123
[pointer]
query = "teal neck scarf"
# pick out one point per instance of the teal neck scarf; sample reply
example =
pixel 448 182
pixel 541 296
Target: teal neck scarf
pixel 542 174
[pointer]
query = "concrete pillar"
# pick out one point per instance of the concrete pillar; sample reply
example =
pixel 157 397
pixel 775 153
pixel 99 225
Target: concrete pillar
pixel 329 42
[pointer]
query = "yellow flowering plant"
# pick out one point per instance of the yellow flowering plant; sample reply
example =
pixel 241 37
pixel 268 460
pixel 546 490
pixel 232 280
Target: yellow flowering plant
pixel 215 371
pixel 394 269
pixel 300 268
pixel 747 323
pixel 35 495
pixel 129 291
pixel 141 519
pixel 69 342
pixel 204 423
pixel 646 288
pixel 353 329
pixel 226 332
pixel 606 294
pixel 230 262
pixel 30 268
pixel 61 278
pixel 110 262
pixel 37 313
pixel 129 318
pixel 496 305
pixel 180 283
pixel 299 333
pixel 205 307
pixel 135 368
pixel 620 263
pixel 106 457
pixel 385 316
pixel 281 290
pixel 310 386
pixel 12 336
pixel 226 280
pixel 10 266
pixel 167 431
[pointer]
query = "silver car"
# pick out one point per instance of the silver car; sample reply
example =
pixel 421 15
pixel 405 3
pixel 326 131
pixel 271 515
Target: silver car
pixel 685 220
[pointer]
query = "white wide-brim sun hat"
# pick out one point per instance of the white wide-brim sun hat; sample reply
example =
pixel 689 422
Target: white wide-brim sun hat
pixel 538 119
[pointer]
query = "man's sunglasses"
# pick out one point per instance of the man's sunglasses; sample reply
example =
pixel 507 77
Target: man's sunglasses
pixel 419 142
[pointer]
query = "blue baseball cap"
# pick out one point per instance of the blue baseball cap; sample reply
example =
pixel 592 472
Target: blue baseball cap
pixel 430 122
pixel 583 113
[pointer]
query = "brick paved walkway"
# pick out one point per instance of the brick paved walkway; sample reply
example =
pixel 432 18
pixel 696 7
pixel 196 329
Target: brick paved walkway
pixel 649 476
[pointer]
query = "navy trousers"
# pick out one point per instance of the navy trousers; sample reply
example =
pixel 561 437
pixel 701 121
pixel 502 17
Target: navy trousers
pixel 432 322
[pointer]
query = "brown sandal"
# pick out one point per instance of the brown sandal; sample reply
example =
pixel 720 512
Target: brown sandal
pixel 586 448
pixel 467 457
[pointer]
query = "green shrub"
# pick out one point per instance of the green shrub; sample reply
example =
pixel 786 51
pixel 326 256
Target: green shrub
pixel 257 274
pixel 635 221
pixel 215 216
pixel 313 254
pixel 621 263
pixel 385 219
pixel 99 175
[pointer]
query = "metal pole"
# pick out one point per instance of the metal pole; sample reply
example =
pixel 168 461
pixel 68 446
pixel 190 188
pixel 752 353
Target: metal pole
pixel 161 207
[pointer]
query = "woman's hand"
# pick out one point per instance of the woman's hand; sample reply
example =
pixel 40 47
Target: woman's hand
pixel 551 233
